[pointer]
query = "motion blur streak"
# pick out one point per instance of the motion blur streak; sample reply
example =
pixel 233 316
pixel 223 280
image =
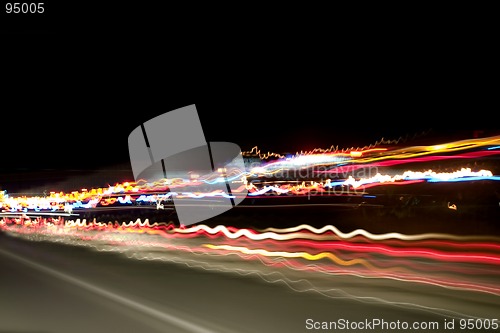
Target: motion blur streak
pixel 118 195
pixel 361 232
pixel 285 254
pixel 467 265
pixel 379 249
pixel 273 174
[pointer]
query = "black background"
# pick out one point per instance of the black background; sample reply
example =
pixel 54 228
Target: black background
pixel 78 80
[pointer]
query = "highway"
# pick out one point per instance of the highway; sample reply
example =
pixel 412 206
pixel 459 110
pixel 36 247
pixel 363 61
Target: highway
pixel 52 287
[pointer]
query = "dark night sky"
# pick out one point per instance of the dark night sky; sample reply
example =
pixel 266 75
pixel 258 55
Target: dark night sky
pixel 70 99
pixel 65 129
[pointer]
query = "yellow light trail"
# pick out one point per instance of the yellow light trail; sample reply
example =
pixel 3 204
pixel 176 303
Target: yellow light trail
pixel 304 255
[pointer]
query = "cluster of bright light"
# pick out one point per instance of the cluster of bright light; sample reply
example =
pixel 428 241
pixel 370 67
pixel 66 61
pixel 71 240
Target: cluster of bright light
pixel 383 156
pixel 429 175
pixel 273 176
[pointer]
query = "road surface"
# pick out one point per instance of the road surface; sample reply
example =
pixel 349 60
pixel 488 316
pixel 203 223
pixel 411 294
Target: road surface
pixel 48 287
